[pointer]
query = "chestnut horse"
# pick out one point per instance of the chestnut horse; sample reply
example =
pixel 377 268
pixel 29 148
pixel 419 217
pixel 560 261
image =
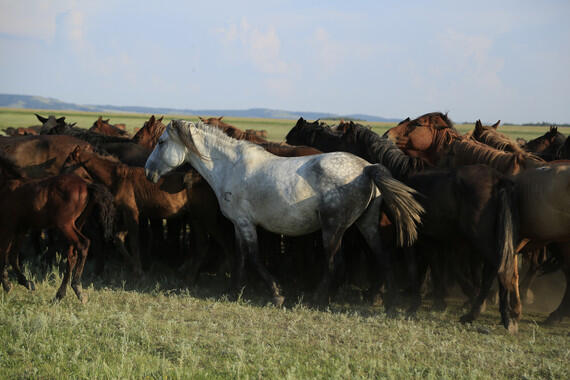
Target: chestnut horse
pixel 149 134
pixel 488 135
pixel 39 156
pixel 104 128
pixel 441 145
pixel 135 197
pixel 62 202
pixel 232 131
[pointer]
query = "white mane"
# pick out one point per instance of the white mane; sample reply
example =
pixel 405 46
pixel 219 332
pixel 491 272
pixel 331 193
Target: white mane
pixel 183 129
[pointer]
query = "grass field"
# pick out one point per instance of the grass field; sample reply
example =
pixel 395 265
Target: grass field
pixel 153 327
pixel 276 128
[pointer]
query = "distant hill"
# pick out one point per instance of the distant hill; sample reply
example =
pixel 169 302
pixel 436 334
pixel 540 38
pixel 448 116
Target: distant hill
pixel 39 102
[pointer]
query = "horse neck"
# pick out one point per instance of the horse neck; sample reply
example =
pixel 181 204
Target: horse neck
pixel 101 169
pixel 219 155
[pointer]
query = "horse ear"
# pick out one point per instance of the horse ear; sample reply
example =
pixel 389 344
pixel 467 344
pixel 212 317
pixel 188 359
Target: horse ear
pixel 151 120
pixel 162 117
pixel 201 119
pixel 478 124
pixel 220 118
pixel 496 125
pixel 41 119
pixel 61 120
pixel 404 121
pixel 73 124
pixel 106 121
pixel 100 119
pixel 75 152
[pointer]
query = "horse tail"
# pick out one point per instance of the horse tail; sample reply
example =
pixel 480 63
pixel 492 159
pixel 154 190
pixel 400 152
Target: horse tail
pixel 102 199
pixel 398 202
pixel 507 232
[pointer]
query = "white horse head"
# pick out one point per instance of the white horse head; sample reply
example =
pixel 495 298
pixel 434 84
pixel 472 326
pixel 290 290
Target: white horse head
pixel 172 148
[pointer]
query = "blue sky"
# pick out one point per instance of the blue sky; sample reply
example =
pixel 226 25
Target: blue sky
pixel 506 60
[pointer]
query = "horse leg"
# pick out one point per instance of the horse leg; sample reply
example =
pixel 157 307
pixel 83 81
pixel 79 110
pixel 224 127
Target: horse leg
pixel 5 247
pixel 15 261
pixel 531 274
pixel 489 273
pixel 71 261
pixel 563 310
pixel 192 266
pixel 414 278
pixel 82 250
pixel 132 222
pixel 332 239
pixel 247 239
pixel 437 265
pixel 369 226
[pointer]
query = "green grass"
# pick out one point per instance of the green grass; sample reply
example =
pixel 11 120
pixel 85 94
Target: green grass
pixel 276 128
pixel 153 327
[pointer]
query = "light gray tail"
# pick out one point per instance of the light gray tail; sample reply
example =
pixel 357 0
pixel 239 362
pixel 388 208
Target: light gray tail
pixel 506 229
pixel 399 202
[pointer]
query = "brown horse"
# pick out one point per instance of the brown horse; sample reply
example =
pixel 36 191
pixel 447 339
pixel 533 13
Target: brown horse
pixel 149 134
pixel 469 206
pixel 40 156
pixel 104 128
pixel 21 131
pixel 441 145
pixel 135 196
pixel 488 135
pixel 544 198
pixel 232 131
pixel 547 145
pixel 62 202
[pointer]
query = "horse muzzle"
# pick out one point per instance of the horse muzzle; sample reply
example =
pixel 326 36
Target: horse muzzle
pixel 152 175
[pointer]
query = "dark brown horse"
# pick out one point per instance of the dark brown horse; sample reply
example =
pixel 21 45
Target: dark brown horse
pixel 40 156
pixel 547 145
pixel 104 128
pixel 62 202
pixel 469 207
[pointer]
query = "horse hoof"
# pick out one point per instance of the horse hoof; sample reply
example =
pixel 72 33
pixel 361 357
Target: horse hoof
pixel 278 301
pixel 512 326
pixel 467 318
pixel 7 287
pixel 30 286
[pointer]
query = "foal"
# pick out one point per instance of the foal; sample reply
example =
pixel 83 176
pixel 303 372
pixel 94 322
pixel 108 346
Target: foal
pixel 63 202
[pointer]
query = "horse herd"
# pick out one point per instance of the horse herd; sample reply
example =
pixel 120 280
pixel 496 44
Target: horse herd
pixel 422 199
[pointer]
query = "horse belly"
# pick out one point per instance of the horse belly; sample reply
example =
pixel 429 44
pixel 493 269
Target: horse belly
pixel 291 222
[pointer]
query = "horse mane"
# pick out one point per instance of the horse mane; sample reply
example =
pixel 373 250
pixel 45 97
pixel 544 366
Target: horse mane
pixel 9 167
pixel 377 149
pixel 447 123
pixel 464 151
pixel 490 136
pixel 182 129
pixel 315 134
